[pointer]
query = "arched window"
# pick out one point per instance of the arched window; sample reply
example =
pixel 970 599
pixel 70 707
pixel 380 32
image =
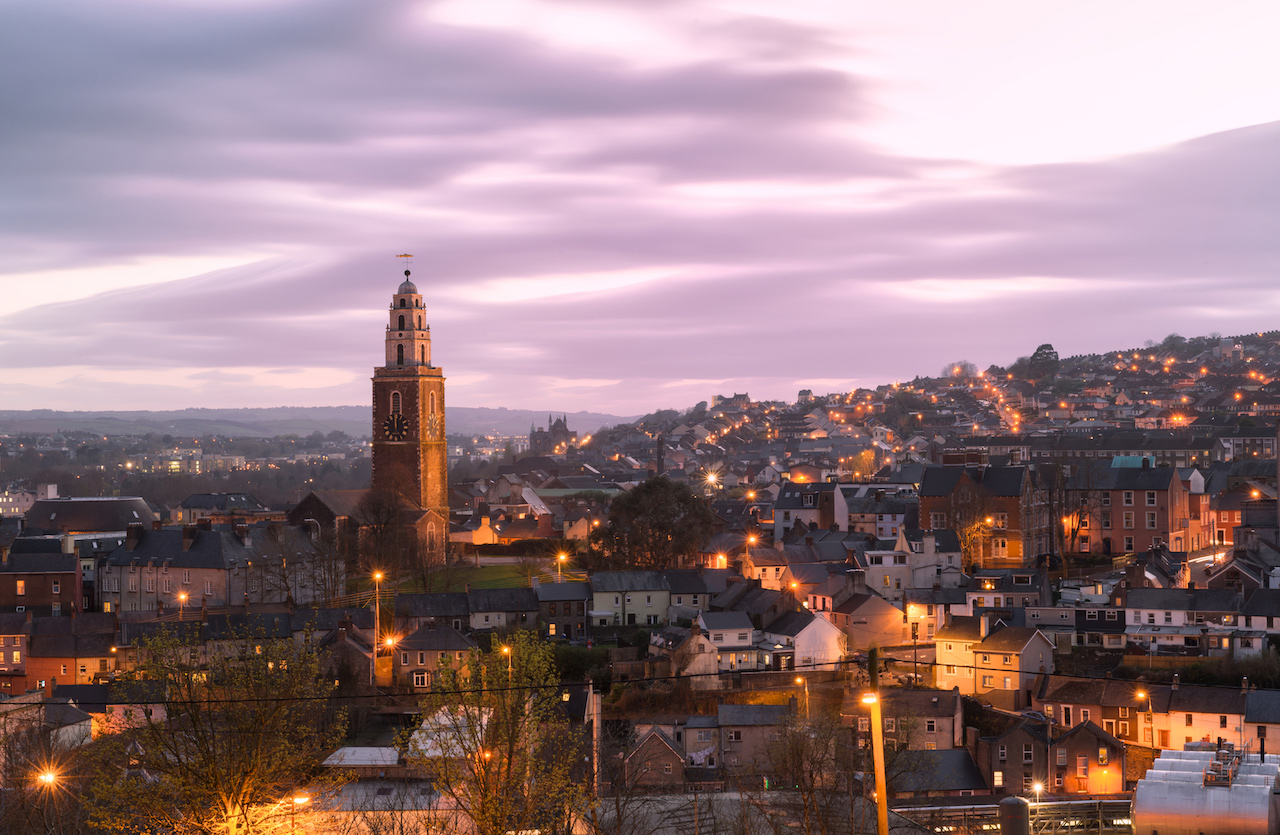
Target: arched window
pixel 399 355
pixel 402 302
pixel 417 302
pixel 401 323
pixel 433 402
pixel 424 355
pixel 419 323
pixel 395 402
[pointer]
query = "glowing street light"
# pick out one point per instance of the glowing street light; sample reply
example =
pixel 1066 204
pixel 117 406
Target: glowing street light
pixel 377 631
pixel 560 567
pixel 877 750
pixel 805 682
pixel 182 603
pixel 507 652
pixel 48 778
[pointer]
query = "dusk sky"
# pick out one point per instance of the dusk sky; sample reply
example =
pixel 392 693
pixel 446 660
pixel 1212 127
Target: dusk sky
pixel 620 205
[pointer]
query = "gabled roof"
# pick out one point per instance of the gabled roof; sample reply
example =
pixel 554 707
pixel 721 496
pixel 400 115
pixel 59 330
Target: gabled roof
pixel 1009 639
pixel 438 605
pixel 433 637
pixel 791 623
pixel 502 600
pixel 623 581
pixel 728 621
pixel 752 714
pixel 946 770
pixel 555 592
pixel 999 481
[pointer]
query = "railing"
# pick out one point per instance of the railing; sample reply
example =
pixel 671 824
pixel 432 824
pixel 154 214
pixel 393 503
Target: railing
pixel 1050 817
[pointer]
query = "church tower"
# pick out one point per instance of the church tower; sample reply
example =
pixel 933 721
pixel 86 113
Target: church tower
pixel 408 418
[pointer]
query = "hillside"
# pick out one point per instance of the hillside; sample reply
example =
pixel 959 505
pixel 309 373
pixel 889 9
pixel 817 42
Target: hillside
pixel 265 423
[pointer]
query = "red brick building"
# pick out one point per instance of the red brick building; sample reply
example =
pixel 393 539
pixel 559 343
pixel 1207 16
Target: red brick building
pixel 1000 514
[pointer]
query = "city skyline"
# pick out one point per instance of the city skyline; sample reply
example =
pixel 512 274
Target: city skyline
pixel 620 206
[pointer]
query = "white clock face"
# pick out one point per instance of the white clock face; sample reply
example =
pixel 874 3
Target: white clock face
pixel 433 425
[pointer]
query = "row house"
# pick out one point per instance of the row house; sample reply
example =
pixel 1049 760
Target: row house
pixel 40 583
pixel 1204 620
pixel 880 514
pixel 1126 509
pixel 417 658
pixel 1000 513
pixel 170 569
pixel 819 504
pixel 1084 760
pixel 1081 625
pixel 1163 716
pixel 733 741
pixel 984 658
pixel 629 598
pixel 917 719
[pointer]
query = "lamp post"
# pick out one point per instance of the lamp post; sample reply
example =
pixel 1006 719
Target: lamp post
pixel 182 603
pixel 560 567
pixel 805 682
pixel 1151 726
pixel 877 750
pixel 1037 787
pixel 294 802
pixel 377 633
pixel 507 652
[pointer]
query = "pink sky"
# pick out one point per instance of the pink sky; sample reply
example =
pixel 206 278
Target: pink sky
pixel 620 205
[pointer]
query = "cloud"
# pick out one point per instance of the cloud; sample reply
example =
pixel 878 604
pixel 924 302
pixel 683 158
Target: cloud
pixel 590 231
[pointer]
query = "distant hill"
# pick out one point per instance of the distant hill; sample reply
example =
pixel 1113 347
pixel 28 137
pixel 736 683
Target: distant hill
pixel 265 423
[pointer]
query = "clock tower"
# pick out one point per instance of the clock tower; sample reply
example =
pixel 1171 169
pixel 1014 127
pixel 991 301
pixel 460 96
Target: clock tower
pixel 408 418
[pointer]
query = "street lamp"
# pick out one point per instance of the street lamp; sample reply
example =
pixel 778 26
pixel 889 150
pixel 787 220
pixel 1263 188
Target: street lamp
pixel 507 652
pixel 1038 787
pixel 805 682
pixel 560 567
pixel 182 603
pixel 377 633
pixel 877 750
pixel 294 802
pixel 48 778
pixel 1151 728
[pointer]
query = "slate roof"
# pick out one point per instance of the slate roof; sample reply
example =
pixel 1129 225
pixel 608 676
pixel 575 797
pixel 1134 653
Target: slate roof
pixel 503 600
pixel 56 563
pixel 623 581
pixel 1195 600
pixel 752 714
pixel 437 605
pixel 555 592
pixel 436 638
pixel 222 501
pixel 999 481
pixel 961 628
pixel 88 515
pixel 1124 478
pixel 208 549
pixel 791 623
pixel 1262 603
pixel 1008 639
pixel 945 539
pixel 1262 707
pixel 61 714
pixel 727 621
pixel 946 770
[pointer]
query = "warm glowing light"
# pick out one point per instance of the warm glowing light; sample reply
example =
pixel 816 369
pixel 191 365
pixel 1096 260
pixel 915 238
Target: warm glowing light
pixel 799 680
pixel 506 650
pixel 301 799
pixel 390 642
pixel 377 576
pixel 869 698
pixel 48 777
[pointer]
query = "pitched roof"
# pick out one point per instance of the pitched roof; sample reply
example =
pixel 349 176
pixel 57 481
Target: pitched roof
pixel 503 600
pixel 437 605
pixel 946 770
pixel 555 592
pixel 1009 639
pixel 725 620
pixel 622 581
pixel 752 714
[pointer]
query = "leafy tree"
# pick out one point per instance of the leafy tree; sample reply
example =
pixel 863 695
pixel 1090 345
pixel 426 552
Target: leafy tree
pixel 1044 362
pixel 244 725
pixel 496 741
pixel 655 526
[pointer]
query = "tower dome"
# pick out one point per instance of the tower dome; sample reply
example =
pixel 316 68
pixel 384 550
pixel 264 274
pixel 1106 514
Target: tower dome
pixel 406 286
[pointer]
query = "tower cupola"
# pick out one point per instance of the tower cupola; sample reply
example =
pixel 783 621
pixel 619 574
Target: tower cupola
pixel 408 335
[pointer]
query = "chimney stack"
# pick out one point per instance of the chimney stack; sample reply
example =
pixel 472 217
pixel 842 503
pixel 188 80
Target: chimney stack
pixel 1244 685
pixel 133 535
pixel 984 628
pixel 188 536
pixel 1174 685
pixel 204 523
